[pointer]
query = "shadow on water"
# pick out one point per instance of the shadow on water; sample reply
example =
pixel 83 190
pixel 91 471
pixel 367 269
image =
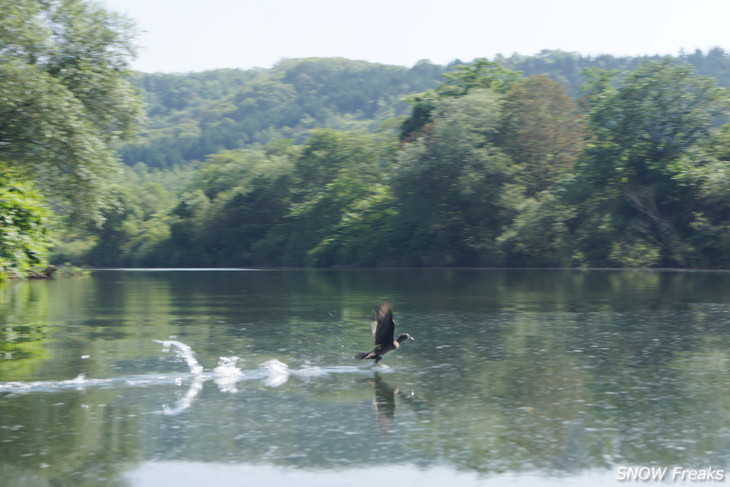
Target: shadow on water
pixel 124 378
pixel 386 396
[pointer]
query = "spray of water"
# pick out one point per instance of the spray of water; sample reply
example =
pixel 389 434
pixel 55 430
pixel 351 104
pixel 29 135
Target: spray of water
pixel 187 400
pixel 278 373
pixel 184 352
pixel 273 373
pixel 226 375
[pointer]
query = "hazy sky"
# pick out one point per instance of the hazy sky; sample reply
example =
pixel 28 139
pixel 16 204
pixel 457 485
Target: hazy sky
pixel 195 35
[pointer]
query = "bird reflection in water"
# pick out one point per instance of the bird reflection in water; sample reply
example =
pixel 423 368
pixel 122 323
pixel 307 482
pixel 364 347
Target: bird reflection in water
pixel 384 401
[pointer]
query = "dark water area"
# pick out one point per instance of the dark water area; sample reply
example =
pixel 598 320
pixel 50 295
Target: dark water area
pixel 516 377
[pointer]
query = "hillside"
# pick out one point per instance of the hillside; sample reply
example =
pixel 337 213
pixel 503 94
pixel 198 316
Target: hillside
pixel 197 114
pixel 566 67
pixel 194 115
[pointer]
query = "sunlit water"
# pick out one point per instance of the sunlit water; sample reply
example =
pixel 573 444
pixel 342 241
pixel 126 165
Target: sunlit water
pixel 146 378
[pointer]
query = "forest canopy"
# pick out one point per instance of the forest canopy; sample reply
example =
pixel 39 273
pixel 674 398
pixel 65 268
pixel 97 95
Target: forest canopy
pixel 65 100
pixel 487 166
pixel 551 160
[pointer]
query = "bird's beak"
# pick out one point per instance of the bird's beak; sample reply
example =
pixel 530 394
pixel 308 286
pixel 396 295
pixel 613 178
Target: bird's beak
pixel 412 339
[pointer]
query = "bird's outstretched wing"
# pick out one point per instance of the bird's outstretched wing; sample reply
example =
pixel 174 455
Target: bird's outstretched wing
pixel 383 325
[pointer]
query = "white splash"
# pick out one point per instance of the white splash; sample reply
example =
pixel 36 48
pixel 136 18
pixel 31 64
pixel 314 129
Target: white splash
pixel 184 352
pixel 227 374
pixel 278 373
pixel 187 400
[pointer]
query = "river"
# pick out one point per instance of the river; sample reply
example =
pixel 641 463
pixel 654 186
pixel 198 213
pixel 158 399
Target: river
pixel 247 377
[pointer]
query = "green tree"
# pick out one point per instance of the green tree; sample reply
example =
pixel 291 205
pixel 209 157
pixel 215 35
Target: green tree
pixel 136 228
pixel 65 98
pixel 646 132
pixel 454 186
pixel 352 205
pixel 542 131
pixel 337 180
pixel 24 226
pixel 709 178
pixel 481 74
pixel 539 235
pixel 246 192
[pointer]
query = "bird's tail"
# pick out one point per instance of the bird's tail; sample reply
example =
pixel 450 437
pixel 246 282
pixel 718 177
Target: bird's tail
pixel 361 355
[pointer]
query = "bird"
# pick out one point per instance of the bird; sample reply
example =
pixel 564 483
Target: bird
pixel 383 330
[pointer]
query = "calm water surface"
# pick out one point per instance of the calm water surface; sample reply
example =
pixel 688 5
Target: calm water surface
pixel 516 377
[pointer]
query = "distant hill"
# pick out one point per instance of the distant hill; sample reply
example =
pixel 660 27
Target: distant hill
pixel 197 114
pixel 566 67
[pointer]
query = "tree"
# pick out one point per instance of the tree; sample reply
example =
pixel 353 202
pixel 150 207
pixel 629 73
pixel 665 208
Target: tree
pixel 24 224
pixel 65 98
pixel 481 74
pixel 539 234
pixel 336 179
pixel 136 227
pixel 646 132
pixel 343 197
pixel 453 185
pixel 248 195
pixel 709 179
pixel 542 131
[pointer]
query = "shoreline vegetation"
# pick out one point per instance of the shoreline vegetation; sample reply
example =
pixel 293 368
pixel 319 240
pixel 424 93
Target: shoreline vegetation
pixel 544 161
pixel 49 272
pixel 490 168
pixel 68 270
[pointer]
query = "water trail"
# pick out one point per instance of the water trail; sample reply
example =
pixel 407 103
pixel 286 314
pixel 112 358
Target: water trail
pixel 226 376
pixel 81 382
pixel 184 352
pixel 78 383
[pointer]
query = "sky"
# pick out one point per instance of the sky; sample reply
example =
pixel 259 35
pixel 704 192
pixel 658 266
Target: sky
pixel 195 35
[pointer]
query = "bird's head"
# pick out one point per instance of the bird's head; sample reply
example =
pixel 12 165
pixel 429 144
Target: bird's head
pixel 403 337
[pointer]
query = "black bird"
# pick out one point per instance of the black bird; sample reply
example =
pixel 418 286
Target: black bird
pixel 383 329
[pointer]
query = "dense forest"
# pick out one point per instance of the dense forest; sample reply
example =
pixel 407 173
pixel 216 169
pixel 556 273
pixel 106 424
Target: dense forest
pixel 614 162
pixel 197 114
pixel 555 159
